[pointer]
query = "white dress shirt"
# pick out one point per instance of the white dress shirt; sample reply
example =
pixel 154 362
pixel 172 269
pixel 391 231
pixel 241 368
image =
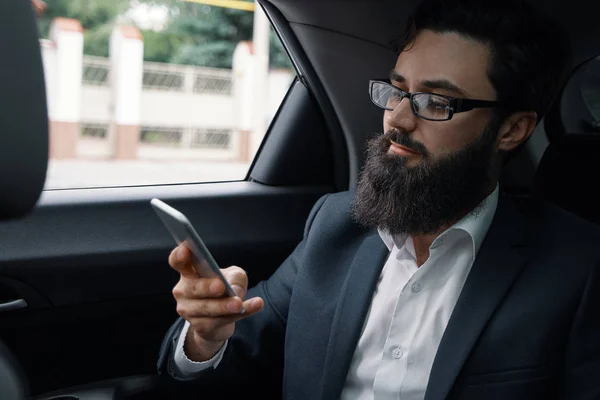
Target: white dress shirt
pixel 411 308
pixel 187 368
pixel 408 315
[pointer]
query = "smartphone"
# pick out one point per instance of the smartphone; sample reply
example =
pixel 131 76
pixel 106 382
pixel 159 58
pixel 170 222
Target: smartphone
pixel 183 232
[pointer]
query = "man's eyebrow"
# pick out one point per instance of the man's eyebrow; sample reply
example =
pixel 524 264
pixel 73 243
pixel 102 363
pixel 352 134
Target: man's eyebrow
pixel 431 84
pixel 443 84
pixel 396 77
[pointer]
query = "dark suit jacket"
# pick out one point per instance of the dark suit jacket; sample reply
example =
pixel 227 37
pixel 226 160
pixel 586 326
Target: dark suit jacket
pixel 526 324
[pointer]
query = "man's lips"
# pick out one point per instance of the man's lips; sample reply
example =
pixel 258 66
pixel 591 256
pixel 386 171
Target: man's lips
pixel 401 150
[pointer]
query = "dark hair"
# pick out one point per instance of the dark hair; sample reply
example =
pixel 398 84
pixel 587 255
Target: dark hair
pixel 531 55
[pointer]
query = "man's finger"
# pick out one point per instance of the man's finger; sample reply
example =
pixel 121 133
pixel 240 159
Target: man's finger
pixel 238 279
pixel 199 289
pixel 181 261
pixel 207 324
pixel 209 308
pixel 252 306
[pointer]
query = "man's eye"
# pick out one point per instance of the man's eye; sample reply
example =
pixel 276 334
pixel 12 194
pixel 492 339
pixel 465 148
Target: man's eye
pixel 435 103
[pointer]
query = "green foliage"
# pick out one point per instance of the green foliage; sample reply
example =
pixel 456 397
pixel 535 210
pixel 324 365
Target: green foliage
pixel 55 8
pixel 92 14
pixel 160 46
pixel 208 34
pixel 278 57
pixel 96 41
pixel 195 34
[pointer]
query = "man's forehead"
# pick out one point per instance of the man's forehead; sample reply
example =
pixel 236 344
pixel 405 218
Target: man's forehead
pixel 446 58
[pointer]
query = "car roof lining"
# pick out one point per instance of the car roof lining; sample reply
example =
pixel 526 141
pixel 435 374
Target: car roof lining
pixel 383 23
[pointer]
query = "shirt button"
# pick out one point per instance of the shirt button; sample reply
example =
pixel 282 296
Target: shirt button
pixel 397 353
pixel 416 288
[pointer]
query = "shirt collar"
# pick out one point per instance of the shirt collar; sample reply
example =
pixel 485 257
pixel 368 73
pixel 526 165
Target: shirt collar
pixel 476 224
pixel 478 221
pixel 388 239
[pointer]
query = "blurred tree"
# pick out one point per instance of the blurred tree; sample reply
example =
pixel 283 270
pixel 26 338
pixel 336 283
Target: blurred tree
pixel 209 34
pixel 96 41
pixel 92 14
pixel 194 34
pixel 96 17
pixel 54 8
pixel 159 46
pixel 278 57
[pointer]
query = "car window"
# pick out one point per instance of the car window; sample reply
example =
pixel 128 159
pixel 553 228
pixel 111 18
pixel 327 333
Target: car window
pixel 157 92
pixel 590 90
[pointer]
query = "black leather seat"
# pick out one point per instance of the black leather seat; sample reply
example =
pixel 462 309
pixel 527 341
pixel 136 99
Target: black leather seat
pixel 567 174
pixel 13 385
pixel 23 141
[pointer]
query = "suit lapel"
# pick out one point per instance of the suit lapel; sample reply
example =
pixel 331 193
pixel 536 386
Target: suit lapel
pixel 350 313
pixel 496 267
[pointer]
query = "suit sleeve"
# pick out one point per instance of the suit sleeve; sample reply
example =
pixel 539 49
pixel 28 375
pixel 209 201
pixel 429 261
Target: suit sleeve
pixel 582 381
pixel 254 354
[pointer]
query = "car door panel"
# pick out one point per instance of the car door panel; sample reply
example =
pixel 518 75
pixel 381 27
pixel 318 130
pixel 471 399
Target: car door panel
pixel 92 266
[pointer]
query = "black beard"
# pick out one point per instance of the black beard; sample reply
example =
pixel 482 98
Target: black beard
pixel 400 199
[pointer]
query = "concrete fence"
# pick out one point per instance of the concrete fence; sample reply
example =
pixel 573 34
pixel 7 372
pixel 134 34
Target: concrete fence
pixel 124 108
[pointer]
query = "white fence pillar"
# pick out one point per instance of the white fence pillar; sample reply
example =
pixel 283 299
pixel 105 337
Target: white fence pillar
pixel 187 137
pixel 63 63
pixel 127 69
pixel 243 90
pixel 189 79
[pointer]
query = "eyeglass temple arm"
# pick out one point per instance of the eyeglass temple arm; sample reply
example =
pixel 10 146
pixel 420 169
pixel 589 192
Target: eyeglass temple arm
pixel 462 105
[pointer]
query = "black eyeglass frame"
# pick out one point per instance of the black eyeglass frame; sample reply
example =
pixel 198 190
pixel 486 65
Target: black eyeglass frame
pixel 456 105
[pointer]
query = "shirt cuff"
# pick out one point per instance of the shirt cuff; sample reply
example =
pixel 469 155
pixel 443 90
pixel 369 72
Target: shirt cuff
pixel 185 367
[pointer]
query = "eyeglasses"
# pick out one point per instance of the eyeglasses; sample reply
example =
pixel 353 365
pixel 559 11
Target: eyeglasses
pixel 429 106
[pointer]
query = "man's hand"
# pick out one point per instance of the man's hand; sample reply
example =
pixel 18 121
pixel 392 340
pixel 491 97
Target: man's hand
pixel 200 301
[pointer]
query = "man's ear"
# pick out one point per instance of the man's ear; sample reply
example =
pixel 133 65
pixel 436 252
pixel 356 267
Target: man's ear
pixel 516 129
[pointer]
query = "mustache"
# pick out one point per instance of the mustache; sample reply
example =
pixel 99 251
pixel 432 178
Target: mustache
pixel 404 139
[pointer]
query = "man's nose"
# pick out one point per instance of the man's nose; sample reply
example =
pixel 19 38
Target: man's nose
pixel 402 117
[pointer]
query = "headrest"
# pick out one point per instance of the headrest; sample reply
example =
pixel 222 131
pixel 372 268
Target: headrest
pixel 568 175
pixel 23 114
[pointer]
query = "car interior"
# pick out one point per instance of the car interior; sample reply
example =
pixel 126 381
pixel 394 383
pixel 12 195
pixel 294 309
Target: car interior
pixel 85 287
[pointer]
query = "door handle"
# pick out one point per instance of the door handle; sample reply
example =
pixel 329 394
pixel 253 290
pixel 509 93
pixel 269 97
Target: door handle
pixel 13 305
